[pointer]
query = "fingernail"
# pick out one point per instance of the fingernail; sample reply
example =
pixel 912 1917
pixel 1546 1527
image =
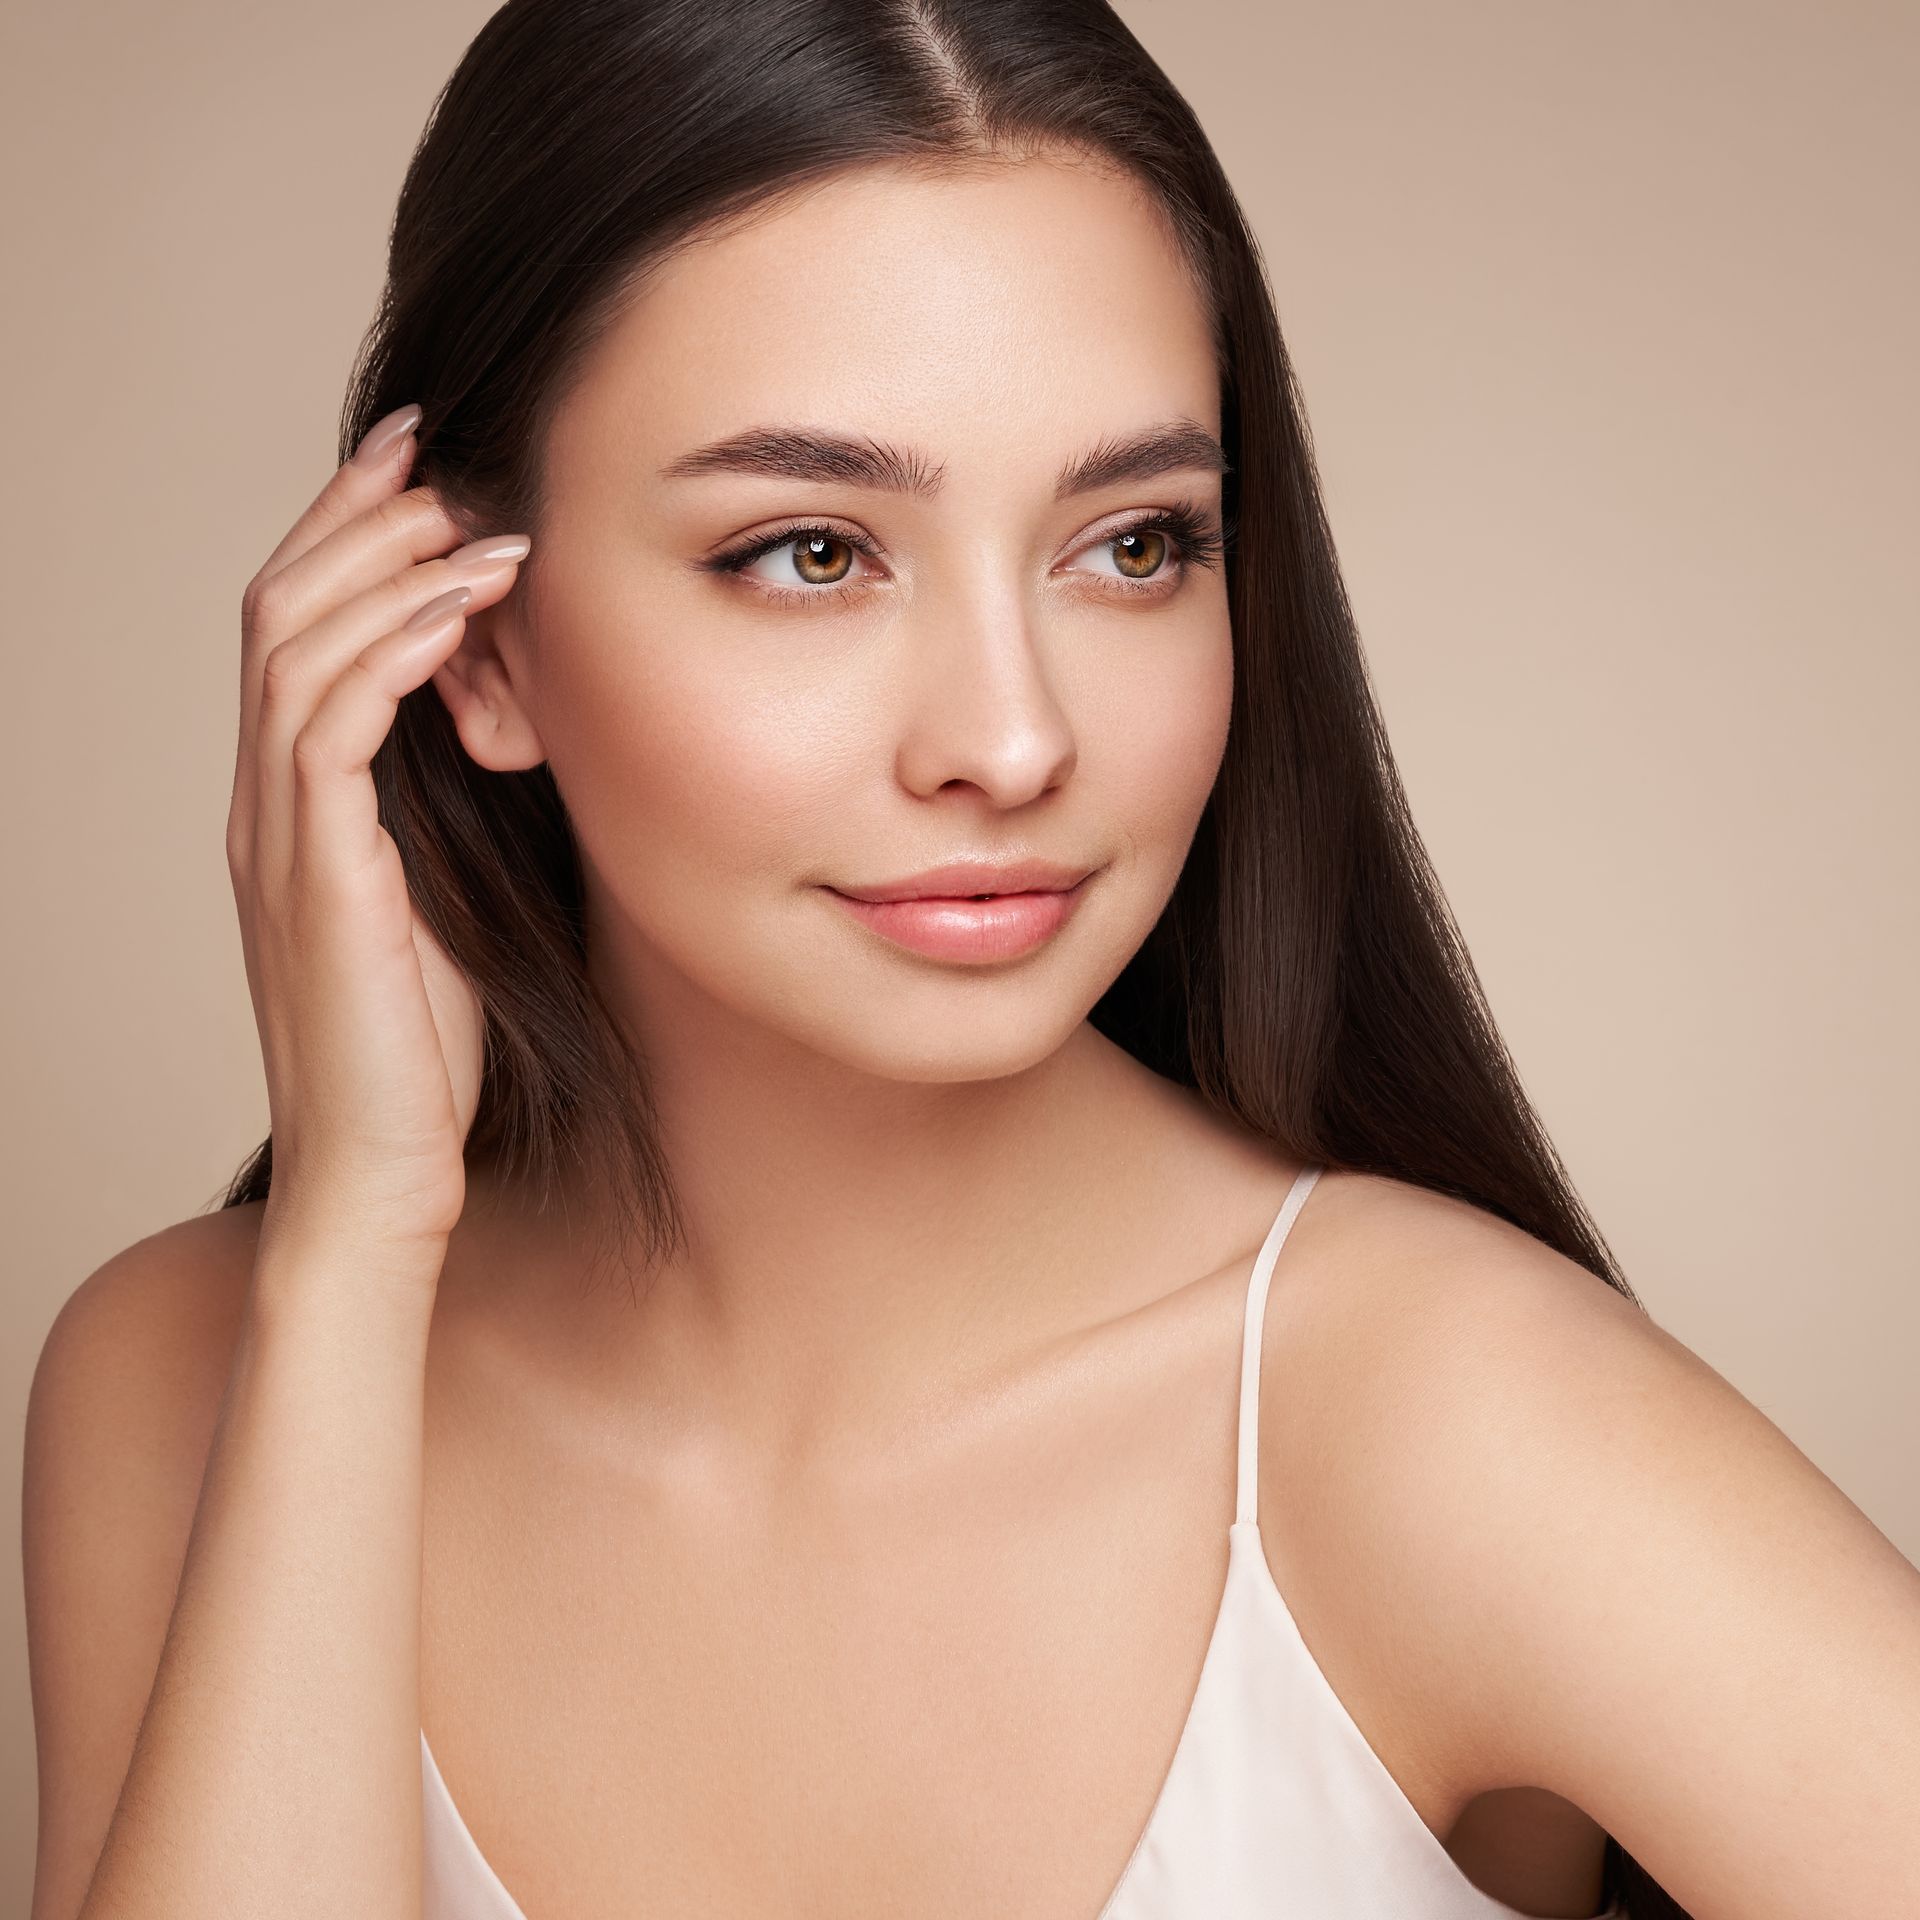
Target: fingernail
pixel 384 434
pixel 442 608
pixel 491 552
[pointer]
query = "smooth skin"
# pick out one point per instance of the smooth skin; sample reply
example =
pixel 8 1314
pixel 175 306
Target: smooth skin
pixel 873 1551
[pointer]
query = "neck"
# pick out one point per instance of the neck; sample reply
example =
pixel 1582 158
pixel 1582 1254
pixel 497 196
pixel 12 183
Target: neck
pixel 863 1251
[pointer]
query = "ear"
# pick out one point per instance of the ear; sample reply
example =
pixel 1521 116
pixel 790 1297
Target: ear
pixel 477 688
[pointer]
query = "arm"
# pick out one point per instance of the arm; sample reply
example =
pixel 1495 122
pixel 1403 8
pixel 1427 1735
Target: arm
pixel 275 1770
pixel 225 1665
pixel 1639 1594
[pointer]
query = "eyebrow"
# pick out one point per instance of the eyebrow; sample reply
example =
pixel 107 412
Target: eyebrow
pixel 805 453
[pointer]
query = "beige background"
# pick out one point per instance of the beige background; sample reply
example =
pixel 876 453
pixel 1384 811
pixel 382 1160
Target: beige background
pixel 1606 319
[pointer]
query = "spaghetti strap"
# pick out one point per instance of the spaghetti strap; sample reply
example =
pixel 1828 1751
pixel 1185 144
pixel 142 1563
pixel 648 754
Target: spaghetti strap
pixel 1246 1491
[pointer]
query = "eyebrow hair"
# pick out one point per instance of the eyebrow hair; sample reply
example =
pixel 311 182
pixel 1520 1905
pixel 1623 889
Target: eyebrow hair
pixel 805 453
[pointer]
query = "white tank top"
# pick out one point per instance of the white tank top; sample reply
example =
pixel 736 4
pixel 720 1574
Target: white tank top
pixel 1274 1805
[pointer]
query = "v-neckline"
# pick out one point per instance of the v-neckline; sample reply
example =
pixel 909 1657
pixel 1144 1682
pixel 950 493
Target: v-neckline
pixel 512 1910
pixel 1245 1523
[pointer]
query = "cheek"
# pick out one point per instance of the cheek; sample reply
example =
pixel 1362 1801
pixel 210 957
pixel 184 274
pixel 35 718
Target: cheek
pixel 676 771
pixel 1163 741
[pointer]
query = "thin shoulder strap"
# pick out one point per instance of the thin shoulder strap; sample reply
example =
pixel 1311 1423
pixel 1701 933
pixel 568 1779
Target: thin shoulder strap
pixel 1247 1479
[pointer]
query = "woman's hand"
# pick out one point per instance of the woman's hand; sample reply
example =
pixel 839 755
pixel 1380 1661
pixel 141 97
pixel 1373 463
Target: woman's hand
pixel 371 1035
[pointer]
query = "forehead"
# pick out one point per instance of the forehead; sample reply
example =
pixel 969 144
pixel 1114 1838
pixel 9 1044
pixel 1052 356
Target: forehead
pixel 995 318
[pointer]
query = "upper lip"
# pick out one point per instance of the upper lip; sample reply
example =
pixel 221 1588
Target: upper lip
pixel 963 878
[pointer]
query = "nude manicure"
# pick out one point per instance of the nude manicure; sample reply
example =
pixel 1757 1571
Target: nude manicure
pixel 480 554
pixel 384 435
pixel 443 607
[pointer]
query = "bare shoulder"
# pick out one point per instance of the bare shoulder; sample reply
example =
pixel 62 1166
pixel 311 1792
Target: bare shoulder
pixel 1416 1306
pixel 120 1418
pixel 126 1390
pixel 1416 1349
pixel 1634 1590
pixel 150 1330
pixel 1398 1312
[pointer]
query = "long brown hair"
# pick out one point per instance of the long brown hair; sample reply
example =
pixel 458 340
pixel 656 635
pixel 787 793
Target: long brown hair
pixel 1306 976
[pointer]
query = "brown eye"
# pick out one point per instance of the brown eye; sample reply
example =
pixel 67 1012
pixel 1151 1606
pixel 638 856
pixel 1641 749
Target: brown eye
pixel 821 561
pixel 814 561
pixel 1139 552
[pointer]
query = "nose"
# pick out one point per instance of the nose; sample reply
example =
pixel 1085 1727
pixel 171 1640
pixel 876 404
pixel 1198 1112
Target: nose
pixel 980 707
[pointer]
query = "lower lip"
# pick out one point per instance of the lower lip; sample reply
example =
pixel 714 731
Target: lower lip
pixel 999 928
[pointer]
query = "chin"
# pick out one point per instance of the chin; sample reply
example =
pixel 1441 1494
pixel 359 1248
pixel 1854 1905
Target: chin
pixel 976 1036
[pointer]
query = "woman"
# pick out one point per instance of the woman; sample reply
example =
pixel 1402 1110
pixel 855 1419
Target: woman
pixel 1118 1412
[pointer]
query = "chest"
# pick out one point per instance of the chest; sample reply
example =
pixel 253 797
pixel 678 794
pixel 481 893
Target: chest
pixel 949 1677
pixel 891 1692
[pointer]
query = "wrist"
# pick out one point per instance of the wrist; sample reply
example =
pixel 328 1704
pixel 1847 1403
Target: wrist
pixel 296 1259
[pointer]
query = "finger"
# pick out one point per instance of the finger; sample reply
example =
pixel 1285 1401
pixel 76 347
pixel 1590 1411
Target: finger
pixel 336 834
pixel 301 673
pixel 377 466
pixel 376 470
pixel 388 531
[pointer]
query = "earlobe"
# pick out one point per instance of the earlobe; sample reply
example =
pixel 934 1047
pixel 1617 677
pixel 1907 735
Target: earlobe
pixel 496 730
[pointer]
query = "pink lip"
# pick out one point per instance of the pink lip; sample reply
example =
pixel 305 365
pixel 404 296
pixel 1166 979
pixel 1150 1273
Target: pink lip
pixel 999 928
pixel 966 879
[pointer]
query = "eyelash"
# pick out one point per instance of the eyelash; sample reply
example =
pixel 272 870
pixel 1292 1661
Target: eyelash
pixel 1198 537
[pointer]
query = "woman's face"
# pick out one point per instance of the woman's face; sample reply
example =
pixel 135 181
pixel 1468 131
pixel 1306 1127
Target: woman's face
pixel 949 648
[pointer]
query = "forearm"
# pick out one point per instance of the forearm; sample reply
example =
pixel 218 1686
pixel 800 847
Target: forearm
pixel 277 1769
